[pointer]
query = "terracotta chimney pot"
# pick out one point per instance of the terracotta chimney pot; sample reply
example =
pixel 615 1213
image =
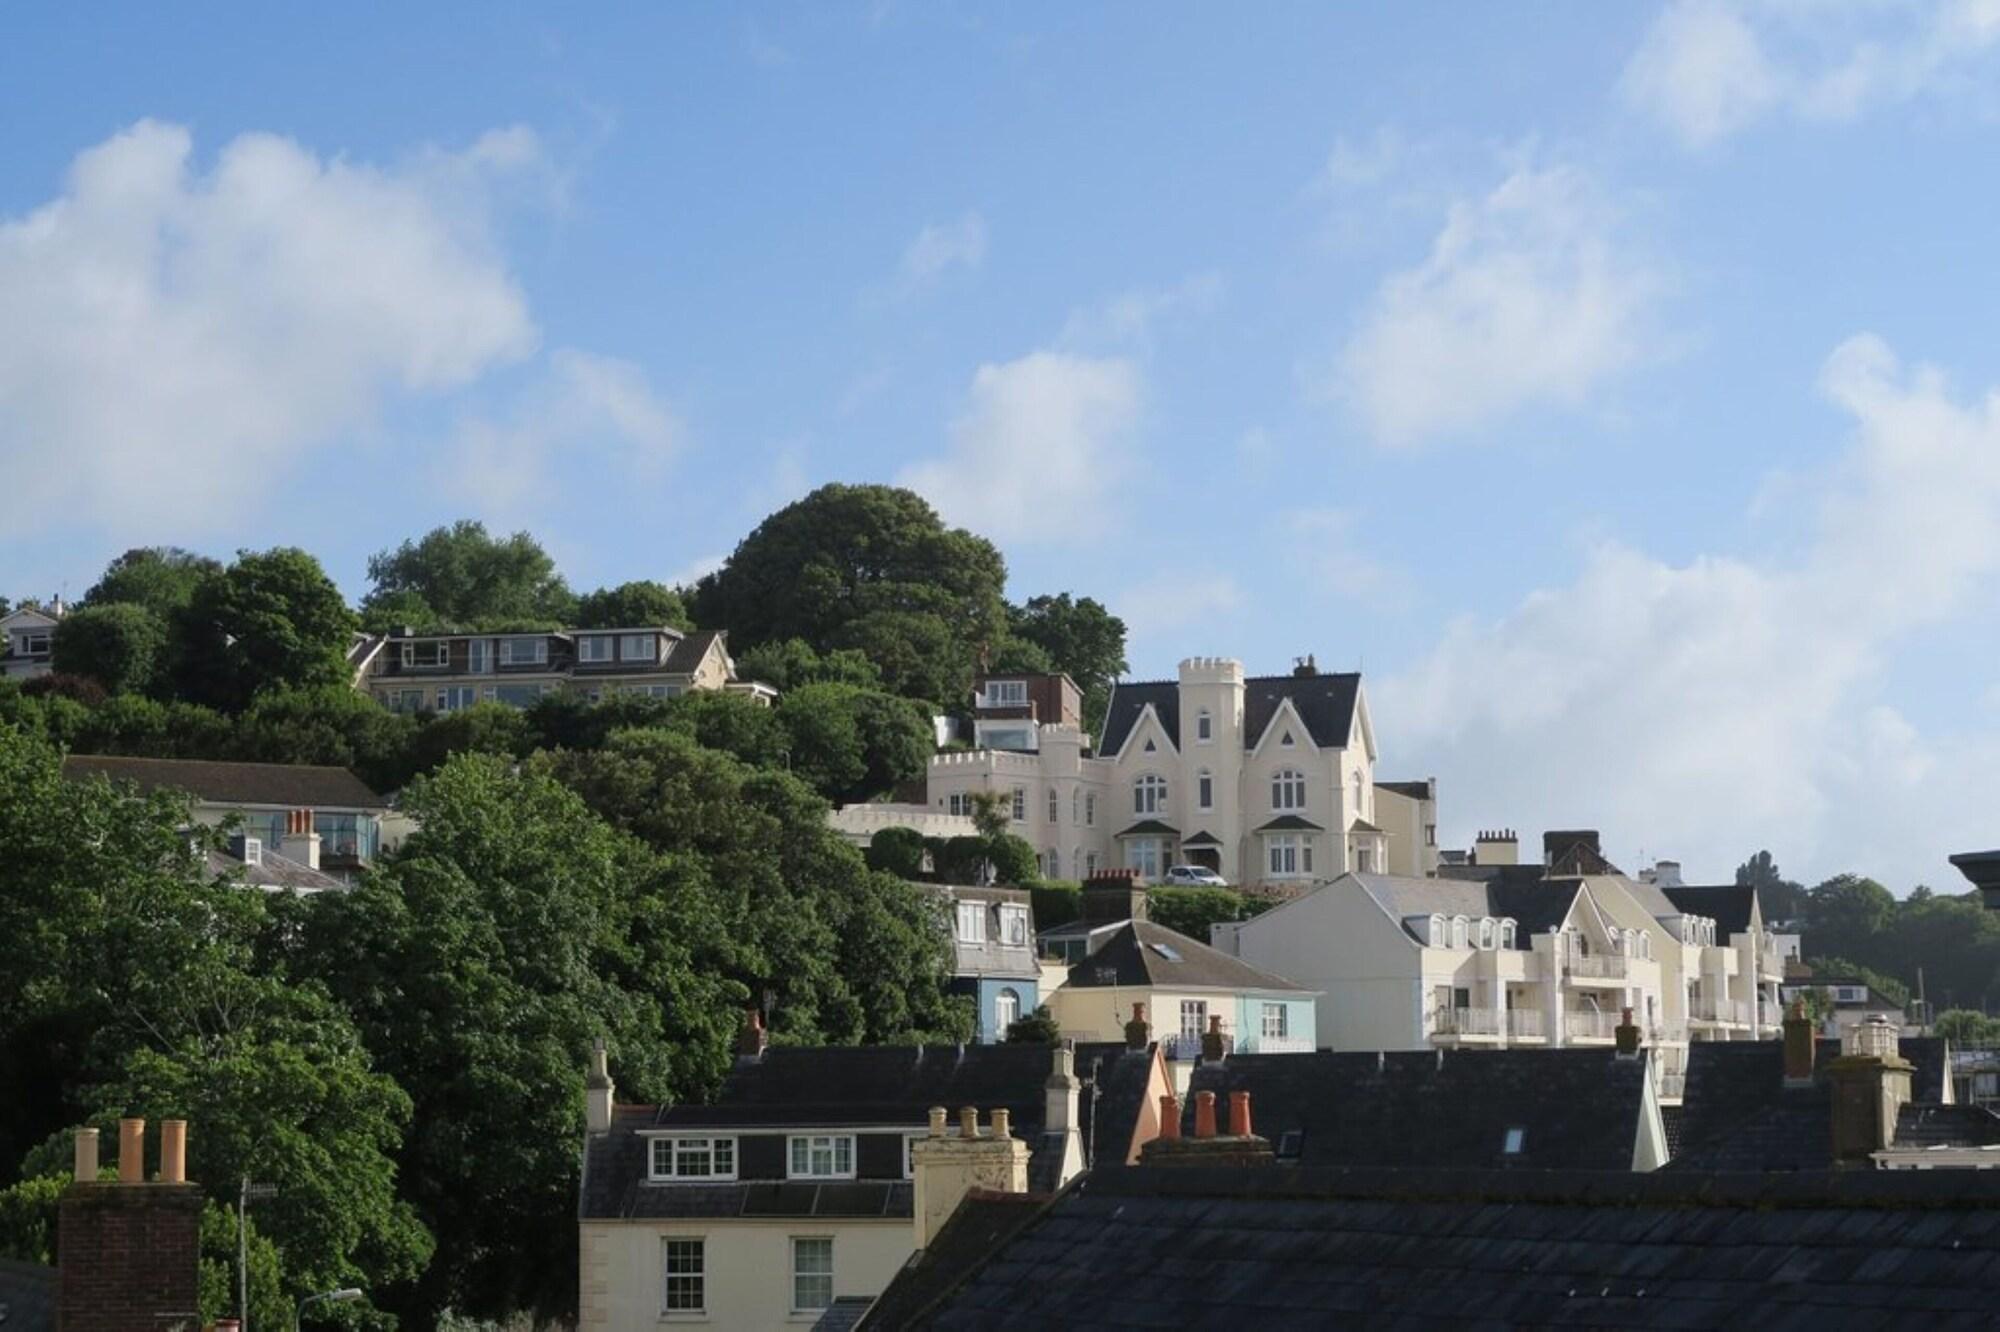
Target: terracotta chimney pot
pixel 1170 1115
pixel 1204 1114
pixel 131 1151
pixel 1239 1114
pixel 173 1151
pixel 86 1156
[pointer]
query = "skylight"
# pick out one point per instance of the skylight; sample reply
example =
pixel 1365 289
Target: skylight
pixel 1167 951
pixel 1515 1136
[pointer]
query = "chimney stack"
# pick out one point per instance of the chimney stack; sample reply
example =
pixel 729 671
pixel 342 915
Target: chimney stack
pixel 1060 1117
pixel 1137 1034
pixel 1496 846
pixel 300 843
pixel 946 1168
pixel 1213 1047
pixel 130 1250
pixel 1627 1036
pixel 1112 897
pixel 597 1090
pixel 1239 1147
pixel 1871 1085
pixel 750 1041
pixel 1798 1046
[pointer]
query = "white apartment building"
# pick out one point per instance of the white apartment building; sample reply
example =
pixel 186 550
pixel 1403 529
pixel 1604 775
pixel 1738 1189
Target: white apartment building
pixel 1268 780
pixel 1521 959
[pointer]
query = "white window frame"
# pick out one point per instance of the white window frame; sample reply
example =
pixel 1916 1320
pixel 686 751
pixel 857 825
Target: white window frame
pixel 827 1275
pixel 835 1145
pixel 1204 789
pixel 1288 790
pixel 680 1151
pixel 37 645
pixel 1014 923
pixel 638 647
pixel 510 651
pixel 1055 806
pixel 1276 1021
pixel 449 700
pixel 1149 794
pixel 594 649
pixel 439 651
pixel 698 1274
pixel 1147 855
pixel 1195 1010
pixel 1020 804
pixel 1287 855
pixel 1002 1019
pixel 958 803
pixel 972 922
pixel 479 656
pixel 1006 693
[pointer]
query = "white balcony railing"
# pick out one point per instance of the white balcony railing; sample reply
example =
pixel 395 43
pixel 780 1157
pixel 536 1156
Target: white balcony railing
pixel 1595 966
pixel 1467 1022
pixel 1673 1085
pixel 1280 1045
pixel 1730 1011
pixel 1585 1025
pixel 1526 1022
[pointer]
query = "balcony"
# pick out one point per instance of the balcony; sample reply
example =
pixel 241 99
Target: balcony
pixel 1770 965
pixel 1467 1022
pixel 1673 1086
pixel 1279 1045
pixel 1720 1012
pixel 1585 1025
pixel 1589 967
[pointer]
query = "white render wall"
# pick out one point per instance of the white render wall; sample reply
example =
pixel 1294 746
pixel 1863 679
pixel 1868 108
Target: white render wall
pixel 749 1269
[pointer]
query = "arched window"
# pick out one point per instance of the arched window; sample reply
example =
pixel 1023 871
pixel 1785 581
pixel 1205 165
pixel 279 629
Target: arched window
pixel 1076 804
pixel 1006 1011
pixel 1435 936
pixel 1506 934
pixel 1486 932
pixel 1204 727
pixel 1149 795
pixel 1646 944
pixel 1204 789
pixel 1288 789
pixel 1458 924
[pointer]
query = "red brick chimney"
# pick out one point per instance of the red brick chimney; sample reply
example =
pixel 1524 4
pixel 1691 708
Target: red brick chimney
pixel 129 1251
pixel 750 1041
pixel 1137 1034
pixel 1238 1147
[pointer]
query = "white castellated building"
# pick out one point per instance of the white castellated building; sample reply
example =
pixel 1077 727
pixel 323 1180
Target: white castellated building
pixel 1268 780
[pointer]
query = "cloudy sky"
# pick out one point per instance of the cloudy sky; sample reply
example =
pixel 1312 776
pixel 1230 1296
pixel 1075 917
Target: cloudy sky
pixel 1615 386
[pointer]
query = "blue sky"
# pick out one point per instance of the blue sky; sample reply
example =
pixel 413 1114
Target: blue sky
pixel 1610 383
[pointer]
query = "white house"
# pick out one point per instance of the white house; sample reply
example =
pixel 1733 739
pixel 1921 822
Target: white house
pixel 30 641
pixel 1268 780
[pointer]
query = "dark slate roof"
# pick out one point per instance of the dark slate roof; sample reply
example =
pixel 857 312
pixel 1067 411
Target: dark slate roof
pixel 1202 838
pixel 1362 826
pixel 685 659
pixel 817 1087
pixel 1536 904
pixel 27 1296
pixel 1115 1080
pixel 1128 703
pixel 1738 1114
pixel 1414 790
pixel 1150 828
pixel 295 785
pixel 1578 1108
pixel 843 1314
pixel 1728 905
pixel 1240 1248
pixel 1325 702
pixel 1290 823
pixel 1133 956
pixel 1946 1126
pixel 983 1222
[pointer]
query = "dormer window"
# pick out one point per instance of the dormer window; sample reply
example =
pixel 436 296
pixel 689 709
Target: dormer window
pixel 1006 693
pixel 523 651
pixel 591 648
pixel 972 922
pixel 638 647
pixel 822 1156
pixel 253 851
pixel 1014 923
pixel 693 1158
pixel 425 656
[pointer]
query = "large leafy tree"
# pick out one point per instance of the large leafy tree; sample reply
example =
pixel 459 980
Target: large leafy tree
pixel 508 933
pixel 871 568
pixel 793 664
pixel 461 575
pixel 852 744
pixel 330 725
pixel 1081 638
pixel 1781 898
pixel 160 578
pixel 120 645
pixel 272 619
pixel 634 605
pixel 1845 914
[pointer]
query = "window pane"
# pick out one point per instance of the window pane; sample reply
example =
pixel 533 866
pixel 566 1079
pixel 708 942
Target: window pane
pixel 663 1157
pixel 812 1273
pixel 684 1276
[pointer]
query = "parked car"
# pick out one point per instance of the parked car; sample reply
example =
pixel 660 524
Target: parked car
pixel 1195 876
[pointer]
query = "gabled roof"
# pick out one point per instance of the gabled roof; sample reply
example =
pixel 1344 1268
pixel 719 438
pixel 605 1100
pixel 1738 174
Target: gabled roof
pixel 1150 828
pixel 1576 1108
pixel 1290 823
pixel 1362 826
pixel 273 872
pixel 291 785
pixel 1141 953
pixel 687 654
pixel 1241 1248
pixel 1325 703
pixel 1728 905
pixel 1202 838
pixel 984 1220
pixel 1535 904
pixel 1128 703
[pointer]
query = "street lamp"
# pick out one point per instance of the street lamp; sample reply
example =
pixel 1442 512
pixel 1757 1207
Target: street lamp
pixel 344 1295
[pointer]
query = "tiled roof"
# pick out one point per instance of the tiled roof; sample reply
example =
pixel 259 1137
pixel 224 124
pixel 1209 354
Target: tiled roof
pixel 1144 954
pixel 1946 1126
pixel 1150 828
pixel 1290 823
pixel 27 1296
pixel 1414 790
pixel 292 785
pixel 1576 1108
pixel 685 659
pixel 1728 905
pixel 1296 1248
pixel 1520 892
pixel 274 871
pixel 983 1222
pixel 1128 703
pixel 1202 838
pixel 1324 702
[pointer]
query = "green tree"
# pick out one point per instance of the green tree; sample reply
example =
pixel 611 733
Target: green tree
pixel 1780 898
pixel 635 605
pixel 1037 1028
pixel 506 934
pixel 328 725
pixel 1082 639
pixel 1056 902
pixel 272 619
pixel 1965 1026
pixel 793 664
pixel 853 744
pixel 1191 911
pixel 160 578
pixel 897 851
pixel 123 647
pixel 1845 914
pixel 732 723
pixel 992 812
pixel 871 568
pixel 483 728
pixel 460 575
pixel 146 728
pixel 1829 968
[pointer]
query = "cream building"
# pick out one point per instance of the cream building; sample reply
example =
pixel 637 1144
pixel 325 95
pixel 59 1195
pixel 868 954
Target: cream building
pixel 1267 780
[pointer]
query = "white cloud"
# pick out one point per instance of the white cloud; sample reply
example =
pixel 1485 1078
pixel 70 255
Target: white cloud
pixel 1175 601
pixel 1128 319
pixel 1528 297
pixel 1708 68
pixel 941 246
pixel 587 413
pixel 176 338
pixel 1331 559
pixel 695 570
pixel 1041 445
pixel 1725 704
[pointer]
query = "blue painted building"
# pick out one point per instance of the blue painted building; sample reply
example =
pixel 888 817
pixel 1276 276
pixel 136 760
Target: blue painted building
pixel 993 950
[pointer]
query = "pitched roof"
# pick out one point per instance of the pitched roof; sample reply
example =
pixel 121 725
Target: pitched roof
pixel 294 785
pixel 687 655
pixel 1128 703
pixel 1290 823
pixel 1324 702
pixel 1115 1078
pixel 983 1221
pixel 1738 1114
pixel 1946 1126
pixel 1576 1108
pixel 274 872
pixel 1534 903
pixel 1144 954
pixel 1728 905
pixel 1276 1247
pixel 1202 838
pixel 1414 790
pixel 1150 828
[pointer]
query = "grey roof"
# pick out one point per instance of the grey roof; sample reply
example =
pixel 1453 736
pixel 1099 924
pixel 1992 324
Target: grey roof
pixel 27 1296
pixel 1202 838
pixel 1738 1114
pixel 291 785
pixel 1150 828
pixel 1535 904
pixel 843 1314
pixel 1324 702
pixel 993 956
pixel 1576 1108
pixel 1290 823
pixel 1239 1248
pixel 275 872
pixel 1414 790
pixel 1144 954
pixel 1115 1078
pixel 1946 1126
pixel 1362 826
pixel 1728 905
pixel 685 659
pixel 983 1221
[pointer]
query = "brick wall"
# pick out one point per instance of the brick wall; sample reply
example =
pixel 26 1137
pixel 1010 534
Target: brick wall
pixel 129 1256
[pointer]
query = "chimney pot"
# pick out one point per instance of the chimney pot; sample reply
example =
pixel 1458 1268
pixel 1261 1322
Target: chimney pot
pixel 1000 1118
pixel 131 1151
pixel 1170 1115
pixel 1239 1114
pixel 938 1117
pixel 1137 1034
pixel 1204 1114
pixel 86 1156
pixel 173 1151
pixel 968 1121
pixel 750 1041
pixel 1626 1035
pixel 1798 1044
